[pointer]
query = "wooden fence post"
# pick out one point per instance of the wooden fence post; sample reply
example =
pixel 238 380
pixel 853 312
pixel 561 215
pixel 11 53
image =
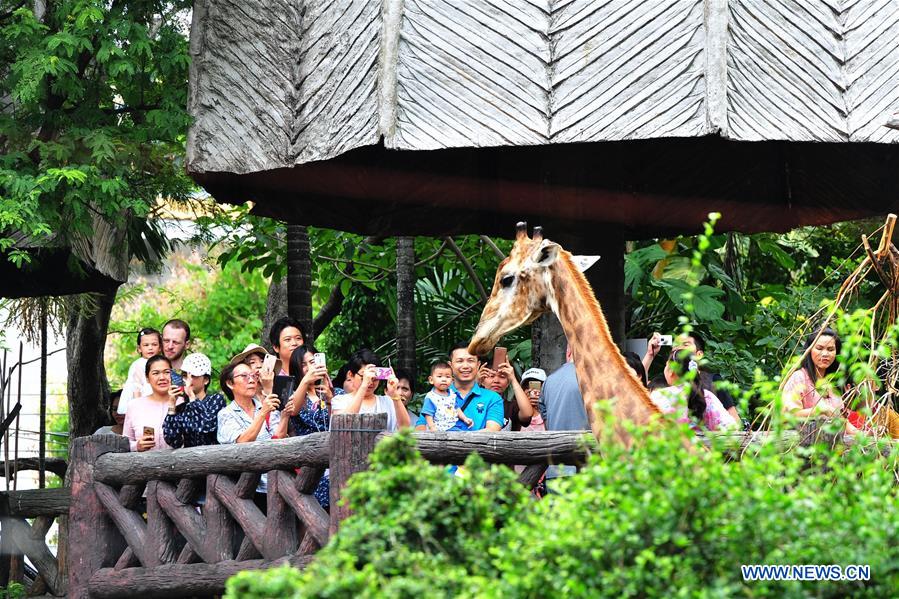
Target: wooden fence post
pixel 353 437
pixel 94 540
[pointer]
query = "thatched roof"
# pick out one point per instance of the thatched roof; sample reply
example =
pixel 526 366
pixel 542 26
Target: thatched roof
pixel 59 267
pixel 428 116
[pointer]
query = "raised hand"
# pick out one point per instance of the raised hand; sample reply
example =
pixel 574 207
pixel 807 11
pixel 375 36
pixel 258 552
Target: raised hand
pixel 291 408
pixel 188 387
pixel 505 369
pixel 267 380
pixel 314 373
pixel 655 344
pixel 146 442
pixel 369 374
pixel 175 393
pixel 392 383
pixel 271 403
pixel 484 373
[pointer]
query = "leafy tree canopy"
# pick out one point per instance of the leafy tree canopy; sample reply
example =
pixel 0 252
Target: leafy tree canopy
pixel 93 117
pixel 223 307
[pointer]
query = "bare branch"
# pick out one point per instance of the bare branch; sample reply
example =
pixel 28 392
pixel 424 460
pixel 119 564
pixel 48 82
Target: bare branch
pixel 329 310
pixel 499 253
pixel 468 268
pixel 8 14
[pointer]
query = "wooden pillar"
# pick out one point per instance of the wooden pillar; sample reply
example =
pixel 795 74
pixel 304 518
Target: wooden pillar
pixel 299 279
pixel 13 564
pixel 352 439
pixel 94 540
pixel 816 430
pixel 405 304
pixel 42 431
pixel 607 279
pixel 221 531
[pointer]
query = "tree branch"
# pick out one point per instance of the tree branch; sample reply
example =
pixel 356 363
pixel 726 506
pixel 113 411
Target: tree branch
pixel 334 304
pixel 328 311
pixel 8 14
pixel 355 262
pixel 433 256
pixel 493 246
pixel 468 268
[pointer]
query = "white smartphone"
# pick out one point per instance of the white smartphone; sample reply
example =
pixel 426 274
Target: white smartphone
pixel 268 362
pixel 319 359
pixel 665 340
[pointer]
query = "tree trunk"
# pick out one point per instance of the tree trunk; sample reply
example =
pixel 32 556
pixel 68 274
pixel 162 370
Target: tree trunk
pixel 405 303
pixel 299 278
pixel 275 308
pixel 88 388
pixel 548 343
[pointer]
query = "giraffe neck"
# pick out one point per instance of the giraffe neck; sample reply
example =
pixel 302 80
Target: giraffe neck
pixel 601 370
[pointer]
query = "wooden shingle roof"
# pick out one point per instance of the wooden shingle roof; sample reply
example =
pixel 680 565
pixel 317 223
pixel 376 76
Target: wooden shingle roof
pixel 428 116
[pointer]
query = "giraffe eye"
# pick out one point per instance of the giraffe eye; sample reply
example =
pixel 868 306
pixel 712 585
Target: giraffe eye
pixel 507 281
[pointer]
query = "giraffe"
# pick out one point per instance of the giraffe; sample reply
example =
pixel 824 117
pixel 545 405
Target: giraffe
pixel 539 276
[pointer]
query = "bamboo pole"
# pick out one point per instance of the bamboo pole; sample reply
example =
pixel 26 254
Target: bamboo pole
pixel 15 482
pixel 42 440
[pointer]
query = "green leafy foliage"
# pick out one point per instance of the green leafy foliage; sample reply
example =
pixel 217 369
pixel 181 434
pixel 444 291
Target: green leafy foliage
pixel 447 300
pixel 655 520
pixel 750 296
pixel 224 309
pixel 93 116
pixel 416 531
pixel 14 590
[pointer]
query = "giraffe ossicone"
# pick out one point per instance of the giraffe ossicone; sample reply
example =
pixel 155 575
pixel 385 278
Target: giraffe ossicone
pixel 539 276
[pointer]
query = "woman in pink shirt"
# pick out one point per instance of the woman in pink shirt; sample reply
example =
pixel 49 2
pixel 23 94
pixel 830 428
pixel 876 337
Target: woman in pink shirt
pixel 808 393
pixel 143 420
pixel 702 406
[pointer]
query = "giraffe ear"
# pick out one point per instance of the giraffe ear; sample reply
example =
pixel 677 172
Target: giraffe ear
pixel 545 254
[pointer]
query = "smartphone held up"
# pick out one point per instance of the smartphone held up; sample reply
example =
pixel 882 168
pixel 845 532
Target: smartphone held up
pixel 382 373
pixel 283 387
pixel 500 356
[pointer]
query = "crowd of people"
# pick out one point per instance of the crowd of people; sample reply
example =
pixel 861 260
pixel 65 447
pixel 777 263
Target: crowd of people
pixel 166 401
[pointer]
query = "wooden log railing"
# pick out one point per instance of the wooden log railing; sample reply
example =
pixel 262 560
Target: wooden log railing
pixel 179 523
pixel 21 538
pixel 55 465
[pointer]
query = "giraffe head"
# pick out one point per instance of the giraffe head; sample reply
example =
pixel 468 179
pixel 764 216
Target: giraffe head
pixel 521 289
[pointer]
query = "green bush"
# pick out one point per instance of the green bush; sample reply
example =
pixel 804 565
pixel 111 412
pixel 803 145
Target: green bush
pixel 655 520
pixel 410 521
pixel 13 591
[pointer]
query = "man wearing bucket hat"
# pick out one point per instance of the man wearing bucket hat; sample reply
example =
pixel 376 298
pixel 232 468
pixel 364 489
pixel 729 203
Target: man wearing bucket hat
pixel 194 423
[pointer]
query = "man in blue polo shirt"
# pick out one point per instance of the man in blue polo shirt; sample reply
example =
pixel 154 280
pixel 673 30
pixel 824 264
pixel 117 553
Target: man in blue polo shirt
pixel 484 407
